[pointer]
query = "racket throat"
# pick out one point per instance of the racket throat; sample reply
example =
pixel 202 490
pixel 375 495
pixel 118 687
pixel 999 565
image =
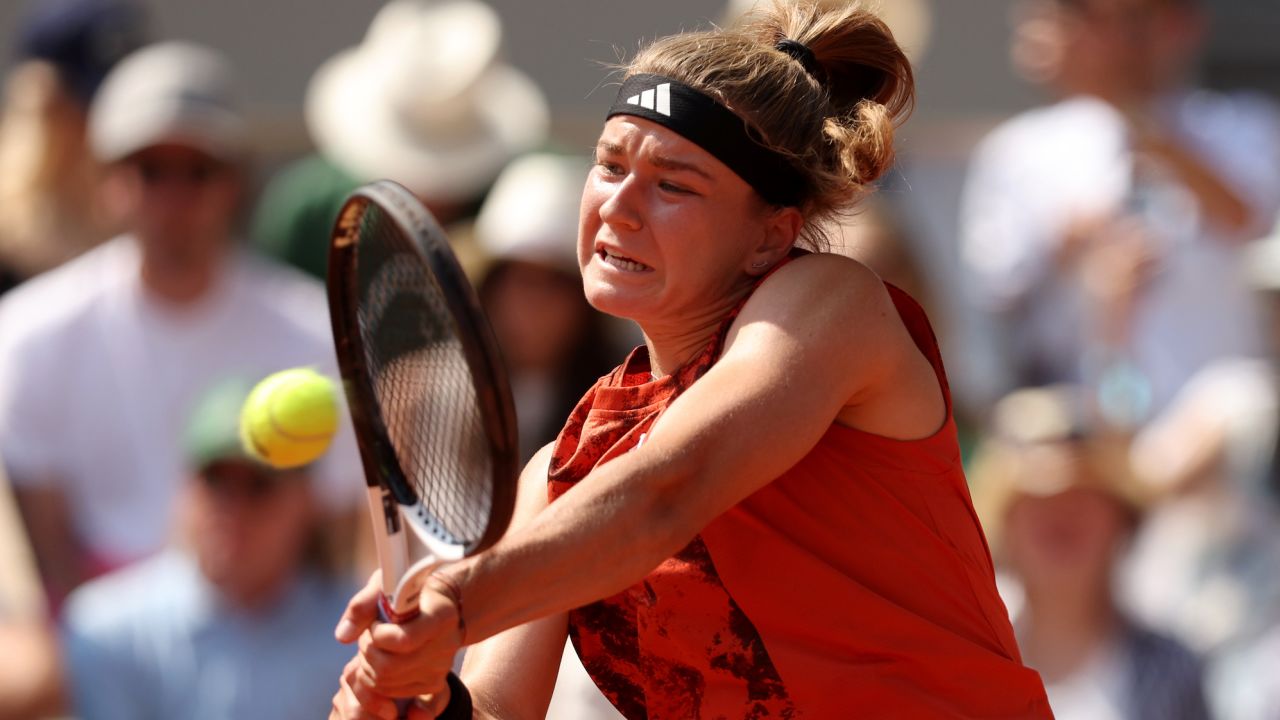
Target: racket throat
pixel 389 541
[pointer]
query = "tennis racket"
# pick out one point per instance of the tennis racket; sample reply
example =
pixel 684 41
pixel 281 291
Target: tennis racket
pixel 428 396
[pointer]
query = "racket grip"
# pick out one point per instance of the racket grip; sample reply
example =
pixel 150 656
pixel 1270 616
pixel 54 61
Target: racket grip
pixel 386 613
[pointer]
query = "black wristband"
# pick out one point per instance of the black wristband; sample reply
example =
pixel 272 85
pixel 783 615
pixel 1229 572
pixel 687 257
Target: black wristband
pixel 459 707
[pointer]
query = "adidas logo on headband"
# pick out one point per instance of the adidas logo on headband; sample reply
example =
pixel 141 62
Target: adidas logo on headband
pixel 715 128
pixel 658 99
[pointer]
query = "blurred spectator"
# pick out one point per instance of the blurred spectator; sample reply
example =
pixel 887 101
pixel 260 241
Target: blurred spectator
pixel 1212 566
pixel 1245 683
pixel 235 622
pixel 30 671
pixel 100 359
pixel 554 344
pixel 30 678
pixel 47 175
pixel 20 594
pixel 1060 506
pixel 1105 230
pixel 1207 562
pixel 424 101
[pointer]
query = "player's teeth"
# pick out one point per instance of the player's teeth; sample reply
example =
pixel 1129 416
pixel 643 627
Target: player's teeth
pixel 623 263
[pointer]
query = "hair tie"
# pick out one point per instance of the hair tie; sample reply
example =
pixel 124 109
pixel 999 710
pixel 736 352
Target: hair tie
pixel 801 54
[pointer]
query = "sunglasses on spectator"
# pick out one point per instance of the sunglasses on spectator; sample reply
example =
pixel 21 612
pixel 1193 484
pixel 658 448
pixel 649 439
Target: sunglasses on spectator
pixel 240 481
pixel 192 173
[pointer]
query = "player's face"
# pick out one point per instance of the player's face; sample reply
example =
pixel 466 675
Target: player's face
pixel 666 231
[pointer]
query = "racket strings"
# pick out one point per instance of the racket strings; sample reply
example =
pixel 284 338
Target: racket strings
pixel 423 383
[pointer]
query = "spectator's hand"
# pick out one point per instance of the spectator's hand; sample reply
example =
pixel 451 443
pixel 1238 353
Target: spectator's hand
pixel 1080 232
pixel 1119 261
pixel 397 661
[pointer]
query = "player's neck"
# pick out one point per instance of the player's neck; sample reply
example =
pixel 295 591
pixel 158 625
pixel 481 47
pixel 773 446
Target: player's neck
pixel 673 344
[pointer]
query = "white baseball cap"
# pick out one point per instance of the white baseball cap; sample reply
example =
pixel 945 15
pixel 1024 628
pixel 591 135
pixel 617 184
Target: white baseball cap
pixel 173 92
pixel 424 101
pixel 531 214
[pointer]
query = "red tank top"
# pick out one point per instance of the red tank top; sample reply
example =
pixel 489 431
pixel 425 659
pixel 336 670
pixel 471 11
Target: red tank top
pixel 857 584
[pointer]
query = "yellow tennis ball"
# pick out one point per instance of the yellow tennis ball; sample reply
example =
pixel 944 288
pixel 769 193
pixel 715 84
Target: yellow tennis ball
pixel 289 418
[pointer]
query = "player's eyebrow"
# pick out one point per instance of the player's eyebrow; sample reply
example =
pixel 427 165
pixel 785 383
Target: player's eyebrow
pixel 605 147
pixel 667 163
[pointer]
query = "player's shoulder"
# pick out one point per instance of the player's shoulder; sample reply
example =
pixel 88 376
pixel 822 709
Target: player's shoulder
pixel 823 274
pixel 826 292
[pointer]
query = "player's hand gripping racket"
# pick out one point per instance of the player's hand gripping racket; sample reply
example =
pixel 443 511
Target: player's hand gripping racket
pixel 427 392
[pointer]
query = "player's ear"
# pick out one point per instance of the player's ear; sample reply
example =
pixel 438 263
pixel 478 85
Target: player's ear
pixel 781 228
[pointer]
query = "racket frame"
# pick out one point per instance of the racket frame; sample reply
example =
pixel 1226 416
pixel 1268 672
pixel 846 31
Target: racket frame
pixel 393 500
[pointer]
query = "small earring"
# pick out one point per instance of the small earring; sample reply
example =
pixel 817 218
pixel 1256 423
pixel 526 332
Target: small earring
pixel 759 264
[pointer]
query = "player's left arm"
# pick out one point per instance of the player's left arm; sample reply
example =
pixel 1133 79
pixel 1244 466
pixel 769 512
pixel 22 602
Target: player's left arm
pixel 819 336
pixel 510 675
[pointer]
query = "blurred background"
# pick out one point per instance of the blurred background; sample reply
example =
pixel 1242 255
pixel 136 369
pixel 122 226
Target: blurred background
pixel 1086 201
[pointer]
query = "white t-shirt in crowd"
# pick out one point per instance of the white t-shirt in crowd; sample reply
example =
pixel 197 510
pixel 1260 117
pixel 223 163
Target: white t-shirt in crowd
pixel 1098 690
pixel 1037 172
pixel 98 380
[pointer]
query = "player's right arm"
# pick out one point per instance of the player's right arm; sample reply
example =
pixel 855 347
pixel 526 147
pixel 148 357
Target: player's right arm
pixel 512 674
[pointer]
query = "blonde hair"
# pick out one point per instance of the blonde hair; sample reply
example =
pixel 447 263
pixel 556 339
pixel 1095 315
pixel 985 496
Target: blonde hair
pixel 837 124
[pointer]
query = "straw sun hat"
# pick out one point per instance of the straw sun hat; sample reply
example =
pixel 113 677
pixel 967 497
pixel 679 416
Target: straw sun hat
pixel 1038 435
pixel 425 101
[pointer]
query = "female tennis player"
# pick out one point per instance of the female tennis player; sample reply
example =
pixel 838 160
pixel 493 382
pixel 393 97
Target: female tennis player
pixel 761 512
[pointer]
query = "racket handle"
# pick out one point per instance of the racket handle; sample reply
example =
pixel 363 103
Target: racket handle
pixel 386 613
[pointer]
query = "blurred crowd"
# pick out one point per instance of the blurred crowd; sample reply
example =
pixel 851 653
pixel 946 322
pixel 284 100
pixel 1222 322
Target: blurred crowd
pixel 1120 273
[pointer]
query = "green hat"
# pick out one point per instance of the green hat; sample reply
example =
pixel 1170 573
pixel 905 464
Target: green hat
pixel 213 429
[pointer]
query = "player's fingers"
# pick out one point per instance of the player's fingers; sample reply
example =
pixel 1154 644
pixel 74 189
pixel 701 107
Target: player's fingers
pixel 346 707
pixel 356 702
pixel 437 623
pixel 405 638
pixel 361 611
pixel 390 674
